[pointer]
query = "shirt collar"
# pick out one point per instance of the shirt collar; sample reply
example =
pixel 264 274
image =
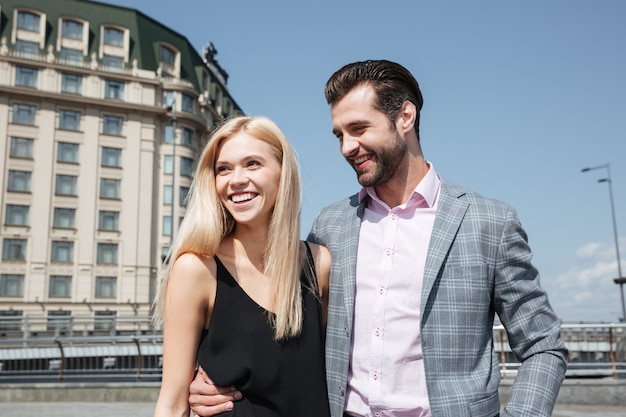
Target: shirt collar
pixel 426 190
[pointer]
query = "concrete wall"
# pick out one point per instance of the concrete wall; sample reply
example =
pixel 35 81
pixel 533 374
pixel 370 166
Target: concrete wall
pixel 606 391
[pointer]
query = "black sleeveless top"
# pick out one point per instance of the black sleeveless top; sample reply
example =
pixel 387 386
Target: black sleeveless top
pixel 277 379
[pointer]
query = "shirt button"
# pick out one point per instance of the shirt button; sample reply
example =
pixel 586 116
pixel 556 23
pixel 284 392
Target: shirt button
pixel 377 331
pixel 394 216
pixel 381 290
pixel 388 252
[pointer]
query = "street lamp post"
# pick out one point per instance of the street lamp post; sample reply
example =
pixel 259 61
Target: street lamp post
pixel 620 280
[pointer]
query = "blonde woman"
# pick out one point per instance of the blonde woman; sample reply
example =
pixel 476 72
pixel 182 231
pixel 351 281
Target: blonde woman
pixel 241 294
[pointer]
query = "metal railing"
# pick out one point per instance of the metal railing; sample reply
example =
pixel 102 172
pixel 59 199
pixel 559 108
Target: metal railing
pixel 596 350
pixel 82 359
pixel 127 349
pixel 32 327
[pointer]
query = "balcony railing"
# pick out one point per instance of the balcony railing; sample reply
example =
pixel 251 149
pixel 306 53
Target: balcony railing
pixel 93 64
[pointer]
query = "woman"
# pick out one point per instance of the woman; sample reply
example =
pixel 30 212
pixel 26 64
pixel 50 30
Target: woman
pixel 241 294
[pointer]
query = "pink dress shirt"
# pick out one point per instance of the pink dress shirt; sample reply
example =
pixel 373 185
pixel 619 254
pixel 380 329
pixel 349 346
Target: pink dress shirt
pixel 386 376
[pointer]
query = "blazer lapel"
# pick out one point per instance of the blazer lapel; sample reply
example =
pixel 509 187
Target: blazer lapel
pixel 350 237
pixel 451 209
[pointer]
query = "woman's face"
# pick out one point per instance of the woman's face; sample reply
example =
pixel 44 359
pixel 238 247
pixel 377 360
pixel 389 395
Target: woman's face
pixel 247 176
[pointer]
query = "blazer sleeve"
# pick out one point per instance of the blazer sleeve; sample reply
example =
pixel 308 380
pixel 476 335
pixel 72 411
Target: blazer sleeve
pixel 532 325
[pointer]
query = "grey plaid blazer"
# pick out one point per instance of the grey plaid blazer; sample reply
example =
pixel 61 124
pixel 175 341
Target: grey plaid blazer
pixel 478 265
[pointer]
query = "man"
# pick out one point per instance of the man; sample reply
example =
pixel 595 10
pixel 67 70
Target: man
pixel 420 268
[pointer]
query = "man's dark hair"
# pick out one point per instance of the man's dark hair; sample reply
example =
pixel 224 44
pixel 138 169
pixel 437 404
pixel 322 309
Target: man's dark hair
pixel 392 83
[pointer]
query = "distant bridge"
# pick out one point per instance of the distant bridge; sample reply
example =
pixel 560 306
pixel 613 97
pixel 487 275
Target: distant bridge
pixel 125 349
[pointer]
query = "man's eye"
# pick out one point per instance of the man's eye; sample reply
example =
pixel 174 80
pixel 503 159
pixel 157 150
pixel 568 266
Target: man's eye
pixel 358 130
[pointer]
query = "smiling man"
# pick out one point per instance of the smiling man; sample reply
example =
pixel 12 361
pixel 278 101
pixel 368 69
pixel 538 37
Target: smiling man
pixel 420 268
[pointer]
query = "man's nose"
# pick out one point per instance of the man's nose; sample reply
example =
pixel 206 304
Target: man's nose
pixel 349 146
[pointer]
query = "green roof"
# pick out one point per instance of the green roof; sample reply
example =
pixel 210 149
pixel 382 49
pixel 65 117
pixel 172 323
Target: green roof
pixel 146 34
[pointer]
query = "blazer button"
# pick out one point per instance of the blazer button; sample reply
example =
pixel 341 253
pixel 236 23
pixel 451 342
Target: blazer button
pixel 342 391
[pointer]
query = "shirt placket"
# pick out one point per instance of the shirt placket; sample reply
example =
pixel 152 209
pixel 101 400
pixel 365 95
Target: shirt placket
pixel 390 230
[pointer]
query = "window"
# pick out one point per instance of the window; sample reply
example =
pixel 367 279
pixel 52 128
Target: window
pixel 28 21
pixel 112 61
pixel 167 195
pixel 226 106
pixel 21 148
pixel 111 157
pixel 69 120
pixel 167 225
pixel 168 164
pixel 65 185
pixel 60 286
pixel 10 319
pixel 71 83
pixel 64 218
pixel 14 249
pixel 105 287
pixel 27 48
pixel 109 188
pixel 169 100
pixel 11 285
pixel 59 319
pixel 187 103
pixel 107 253
pixel 67 152
pixel 112 125
pixel 19 181
pixel 16 215
pixel 114 89
pixel 182 196
pixel 24 114
pixel 168 56
pixel 165 250
pixel 62 251
pixel 168 134
pixel 113 37
pixel 109 220
pixel 71 55
pixel 186 167
pixel 187 137
pixel 104 320
pixel 72 29
pixel 26 76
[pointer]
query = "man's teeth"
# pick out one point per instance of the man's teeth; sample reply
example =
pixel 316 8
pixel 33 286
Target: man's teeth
pixel 361 160
pixel 238 198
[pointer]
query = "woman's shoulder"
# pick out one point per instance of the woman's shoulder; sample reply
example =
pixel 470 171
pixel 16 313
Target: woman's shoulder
pixel 322 259
pixel 319 252
pixel 194 265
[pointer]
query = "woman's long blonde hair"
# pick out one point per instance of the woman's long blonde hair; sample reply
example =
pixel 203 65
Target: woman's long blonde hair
pixel 207 222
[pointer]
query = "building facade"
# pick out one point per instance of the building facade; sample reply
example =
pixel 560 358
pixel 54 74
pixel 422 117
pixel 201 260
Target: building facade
pixel 103 113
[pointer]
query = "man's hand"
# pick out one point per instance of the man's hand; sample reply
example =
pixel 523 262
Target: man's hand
pixel 207 399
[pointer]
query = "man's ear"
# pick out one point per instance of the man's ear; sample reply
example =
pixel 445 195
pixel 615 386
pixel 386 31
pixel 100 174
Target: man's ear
pixel 406 116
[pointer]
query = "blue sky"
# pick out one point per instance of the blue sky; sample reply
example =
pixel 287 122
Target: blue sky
pixel 519 97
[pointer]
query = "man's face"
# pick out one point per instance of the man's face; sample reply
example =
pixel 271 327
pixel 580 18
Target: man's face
pixel 372 147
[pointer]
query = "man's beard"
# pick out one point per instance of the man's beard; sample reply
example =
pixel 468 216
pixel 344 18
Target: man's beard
pixel 388 158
